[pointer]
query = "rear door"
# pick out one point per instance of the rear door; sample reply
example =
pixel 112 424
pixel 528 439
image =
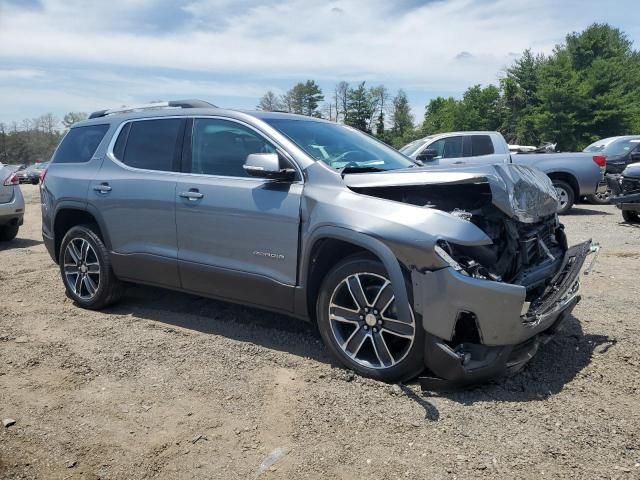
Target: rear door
pixel 134 194
pixel 479 149
pixel 237 235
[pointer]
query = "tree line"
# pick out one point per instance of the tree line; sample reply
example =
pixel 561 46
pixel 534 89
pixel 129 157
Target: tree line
pixel 587 88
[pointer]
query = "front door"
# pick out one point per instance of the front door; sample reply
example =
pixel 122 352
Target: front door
pixel 237 235
pixel 448 150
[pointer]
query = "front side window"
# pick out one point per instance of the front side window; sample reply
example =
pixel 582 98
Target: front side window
pixel 220 147
pixel 150 144
pixel 450 147
pixel 339 146
pixel 79 144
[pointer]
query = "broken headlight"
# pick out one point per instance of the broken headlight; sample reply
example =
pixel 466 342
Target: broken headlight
pixel 458 257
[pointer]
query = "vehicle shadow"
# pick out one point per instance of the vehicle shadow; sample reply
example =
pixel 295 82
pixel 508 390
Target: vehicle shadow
pixel 245 324
pixel 629 225
pixel 578 211
pixel 555 365
pixel 19 243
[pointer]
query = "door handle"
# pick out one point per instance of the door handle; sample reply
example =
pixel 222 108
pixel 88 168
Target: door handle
pixel 102 188
pixel 192 195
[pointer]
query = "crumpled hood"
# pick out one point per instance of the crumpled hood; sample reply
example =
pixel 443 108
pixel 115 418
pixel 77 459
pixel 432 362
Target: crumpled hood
pixel 521 192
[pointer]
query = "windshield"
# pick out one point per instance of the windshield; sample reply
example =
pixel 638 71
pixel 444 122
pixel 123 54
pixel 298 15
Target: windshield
pixel 620 148
pixel 412 148
pixel 599 145
pixel 339 146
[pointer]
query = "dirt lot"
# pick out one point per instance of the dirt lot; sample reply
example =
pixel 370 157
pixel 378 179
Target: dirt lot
pixel 175 386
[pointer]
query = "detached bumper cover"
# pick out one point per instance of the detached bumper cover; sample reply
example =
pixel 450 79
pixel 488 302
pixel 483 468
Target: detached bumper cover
pixel 510 331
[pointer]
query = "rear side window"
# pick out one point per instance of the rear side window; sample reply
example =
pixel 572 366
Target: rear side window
pixel 481 145
pixel 150 144
pixel 79 144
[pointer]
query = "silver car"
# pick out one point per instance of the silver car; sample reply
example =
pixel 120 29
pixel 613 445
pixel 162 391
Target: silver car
pixel 11 204
pixel 460 273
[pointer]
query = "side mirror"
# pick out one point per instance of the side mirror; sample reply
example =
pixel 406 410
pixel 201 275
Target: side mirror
pixel 635 157
pixel 267 165
pixel 427 155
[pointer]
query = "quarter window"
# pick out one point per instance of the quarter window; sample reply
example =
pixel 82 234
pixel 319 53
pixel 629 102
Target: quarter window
pixel 150 144
pixel 79 144
pixel 221 147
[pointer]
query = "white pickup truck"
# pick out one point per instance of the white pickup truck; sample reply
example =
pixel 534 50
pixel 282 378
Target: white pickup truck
pixel 573 174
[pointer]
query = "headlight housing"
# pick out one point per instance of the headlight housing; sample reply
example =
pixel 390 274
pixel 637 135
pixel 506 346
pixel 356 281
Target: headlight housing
pixel 463 259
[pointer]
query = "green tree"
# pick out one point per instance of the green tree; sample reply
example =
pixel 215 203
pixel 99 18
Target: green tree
pixel 304 99
pixel 359 110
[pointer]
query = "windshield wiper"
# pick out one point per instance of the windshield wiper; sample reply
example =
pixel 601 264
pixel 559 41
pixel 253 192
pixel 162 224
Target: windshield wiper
pixel 359 169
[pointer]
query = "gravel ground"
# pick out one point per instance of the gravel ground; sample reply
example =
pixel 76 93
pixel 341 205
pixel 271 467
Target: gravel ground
pixel 169 385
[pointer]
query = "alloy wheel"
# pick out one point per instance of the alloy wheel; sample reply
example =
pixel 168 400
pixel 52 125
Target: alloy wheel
pixel 81 268
pixel 365 324
pixel 563 196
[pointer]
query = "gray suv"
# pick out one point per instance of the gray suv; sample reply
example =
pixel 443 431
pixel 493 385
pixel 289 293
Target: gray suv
pixel 460 274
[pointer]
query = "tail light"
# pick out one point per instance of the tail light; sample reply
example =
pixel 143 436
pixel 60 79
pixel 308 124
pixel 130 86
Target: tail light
pixel 600 160
pixel 12 180
pixel 43 174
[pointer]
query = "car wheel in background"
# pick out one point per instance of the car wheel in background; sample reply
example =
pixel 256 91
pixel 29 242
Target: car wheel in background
pixel 631 216
pixel 8 232
pixel 86 269
pixel 600 198
pixel 358 322
pixel 565 195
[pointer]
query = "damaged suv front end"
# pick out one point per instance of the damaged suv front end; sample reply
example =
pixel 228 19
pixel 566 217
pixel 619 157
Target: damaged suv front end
pixel 493 299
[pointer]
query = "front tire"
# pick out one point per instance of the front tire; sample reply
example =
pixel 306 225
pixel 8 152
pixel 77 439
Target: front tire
pixel 358 322
pixel 631 216
pixel 566 195
pixel 8 232
pixel 86 269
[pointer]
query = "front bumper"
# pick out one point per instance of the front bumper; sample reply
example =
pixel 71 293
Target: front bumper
pixel 509 331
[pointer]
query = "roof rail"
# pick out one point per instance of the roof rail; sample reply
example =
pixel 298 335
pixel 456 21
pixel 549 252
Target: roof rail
pixel 154 106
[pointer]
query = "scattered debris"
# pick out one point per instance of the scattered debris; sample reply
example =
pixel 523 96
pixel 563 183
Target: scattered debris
pixel 72 463
pixel 7 422
pixel 275 456
pixel 198 438
pixel 21 339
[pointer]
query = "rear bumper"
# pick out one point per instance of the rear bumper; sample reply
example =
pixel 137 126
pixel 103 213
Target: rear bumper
pixel 509 330
pixel 12 213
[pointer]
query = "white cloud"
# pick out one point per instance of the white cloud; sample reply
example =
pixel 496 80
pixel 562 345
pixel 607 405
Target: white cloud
pixel 245 47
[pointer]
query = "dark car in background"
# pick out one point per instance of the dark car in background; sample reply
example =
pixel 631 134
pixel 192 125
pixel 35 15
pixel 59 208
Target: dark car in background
pixel 625 190
pixel 32 174
pixel 617 152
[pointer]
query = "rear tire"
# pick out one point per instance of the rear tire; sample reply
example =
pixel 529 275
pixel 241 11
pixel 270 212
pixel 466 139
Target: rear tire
pixel 86 270
pixel 600 198
pixel 366 335
pixel 566 194
pixel 8 232
pixel 631 216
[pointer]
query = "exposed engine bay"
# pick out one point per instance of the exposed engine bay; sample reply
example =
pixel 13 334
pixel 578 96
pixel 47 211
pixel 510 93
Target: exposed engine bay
pixel 526 254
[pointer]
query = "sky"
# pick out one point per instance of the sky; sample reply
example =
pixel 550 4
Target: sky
pixel 81 55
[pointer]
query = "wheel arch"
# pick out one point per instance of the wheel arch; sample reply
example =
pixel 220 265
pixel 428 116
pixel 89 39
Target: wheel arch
pixel 568 178
pixel 329 245
pixel 67 217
